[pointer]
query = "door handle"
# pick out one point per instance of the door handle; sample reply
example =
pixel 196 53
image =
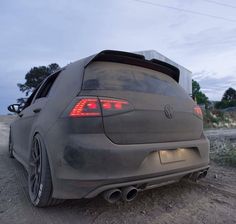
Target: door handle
pixel 37 110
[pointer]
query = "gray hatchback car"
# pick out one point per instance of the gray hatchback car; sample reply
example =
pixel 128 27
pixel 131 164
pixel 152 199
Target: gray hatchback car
pixel 113 124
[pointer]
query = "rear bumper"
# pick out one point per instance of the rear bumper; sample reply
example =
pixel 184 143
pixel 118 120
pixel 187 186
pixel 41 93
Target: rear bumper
pixel 146 183
pixel 85 165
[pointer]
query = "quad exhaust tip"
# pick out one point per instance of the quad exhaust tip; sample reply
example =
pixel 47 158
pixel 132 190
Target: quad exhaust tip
pixel 126 193
pixel 198 175
pixel 202 174
pixel 112 195
pixel 129 193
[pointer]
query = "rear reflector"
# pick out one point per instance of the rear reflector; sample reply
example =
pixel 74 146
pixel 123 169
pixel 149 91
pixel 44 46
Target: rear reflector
pixel 198 111
pixel 91 107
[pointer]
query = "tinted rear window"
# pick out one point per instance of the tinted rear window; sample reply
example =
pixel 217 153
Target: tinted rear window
pixel 123 77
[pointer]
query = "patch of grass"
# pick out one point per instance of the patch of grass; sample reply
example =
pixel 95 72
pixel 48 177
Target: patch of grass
pixel 228 158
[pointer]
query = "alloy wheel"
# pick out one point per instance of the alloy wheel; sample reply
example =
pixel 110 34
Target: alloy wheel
pixel 35 168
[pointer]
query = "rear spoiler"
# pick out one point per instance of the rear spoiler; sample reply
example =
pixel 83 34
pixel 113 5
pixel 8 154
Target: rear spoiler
pixel 138 60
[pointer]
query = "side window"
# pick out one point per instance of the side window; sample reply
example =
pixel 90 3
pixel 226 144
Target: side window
pixel 30 99
pixel 46 86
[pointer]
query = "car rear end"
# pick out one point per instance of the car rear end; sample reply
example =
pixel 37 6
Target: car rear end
pixel 130 128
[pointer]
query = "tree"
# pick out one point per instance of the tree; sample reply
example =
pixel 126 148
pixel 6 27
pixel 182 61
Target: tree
pixel 230 94
pixel 198 95
pixel 34 77
pixel 228 99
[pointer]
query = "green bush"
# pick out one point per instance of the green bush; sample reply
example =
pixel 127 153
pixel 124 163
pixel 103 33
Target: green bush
pixel 225 104
pixel 219 119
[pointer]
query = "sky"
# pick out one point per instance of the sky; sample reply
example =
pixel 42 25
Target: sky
pixel 189 32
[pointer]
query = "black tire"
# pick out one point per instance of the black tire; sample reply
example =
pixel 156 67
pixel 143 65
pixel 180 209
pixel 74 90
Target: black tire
pixel 39 175
pixel 10 146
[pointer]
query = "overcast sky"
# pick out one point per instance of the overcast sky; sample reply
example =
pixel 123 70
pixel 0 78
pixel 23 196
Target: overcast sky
pixel 37 33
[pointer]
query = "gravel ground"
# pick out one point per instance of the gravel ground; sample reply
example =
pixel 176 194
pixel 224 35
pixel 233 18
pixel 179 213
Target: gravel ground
pixel 223 132
pixel 212 200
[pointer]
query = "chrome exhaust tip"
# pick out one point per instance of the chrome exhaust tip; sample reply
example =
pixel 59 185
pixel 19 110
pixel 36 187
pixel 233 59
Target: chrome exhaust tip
pixel 197 175
pixel 129 193
pixel 201 174
pixel 112 195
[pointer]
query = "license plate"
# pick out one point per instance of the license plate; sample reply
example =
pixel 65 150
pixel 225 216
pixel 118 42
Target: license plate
pixel 170 156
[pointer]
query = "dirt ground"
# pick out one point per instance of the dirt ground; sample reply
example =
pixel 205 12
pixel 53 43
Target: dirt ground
pixel 212 200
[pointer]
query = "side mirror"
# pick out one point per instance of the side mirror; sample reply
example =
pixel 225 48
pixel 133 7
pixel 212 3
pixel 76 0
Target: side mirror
pixel 15 108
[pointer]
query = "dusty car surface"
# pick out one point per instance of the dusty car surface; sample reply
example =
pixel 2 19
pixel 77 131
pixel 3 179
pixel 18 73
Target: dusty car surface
pixel 113 124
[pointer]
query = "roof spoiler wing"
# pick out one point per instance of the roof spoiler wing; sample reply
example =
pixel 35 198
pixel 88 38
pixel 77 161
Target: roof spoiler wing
pixel 138 60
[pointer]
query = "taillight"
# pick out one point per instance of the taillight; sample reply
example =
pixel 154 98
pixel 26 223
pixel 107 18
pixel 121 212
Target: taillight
pixel 198 111
pixel 91 107
pixel 108 104
pixel 87 107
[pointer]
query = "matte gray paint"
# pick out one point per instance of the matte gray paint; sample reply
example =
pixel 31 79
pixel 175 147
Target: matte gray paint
pixel 82 158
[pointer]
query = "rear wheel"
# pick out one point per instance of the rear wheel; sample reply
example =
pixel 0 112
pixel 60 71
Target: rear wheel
pixel 39 176
pixel 10 146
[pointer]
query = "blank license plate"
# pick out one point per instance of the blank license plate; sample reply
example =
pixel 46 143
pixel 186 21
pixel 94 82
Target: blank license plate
pixel 170 156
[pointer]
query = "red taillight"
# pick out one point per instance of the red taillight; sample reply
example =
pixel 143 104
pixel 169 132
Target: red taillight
pixel 198 111
pixel 108 104
pixel 91 107
pixel 87 107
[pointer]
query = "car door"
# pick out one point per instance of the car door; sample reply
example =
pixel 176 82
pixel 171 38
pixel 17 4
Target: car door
pixel 24 124
pixel 16 129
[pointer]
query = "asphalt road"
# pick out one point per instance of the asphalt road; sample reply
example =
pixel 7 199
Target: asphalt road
pixel 213 200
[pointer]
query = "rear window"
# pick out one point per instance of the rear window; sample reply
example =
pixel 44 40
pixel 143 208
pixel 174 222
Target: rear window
pixel 123 77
